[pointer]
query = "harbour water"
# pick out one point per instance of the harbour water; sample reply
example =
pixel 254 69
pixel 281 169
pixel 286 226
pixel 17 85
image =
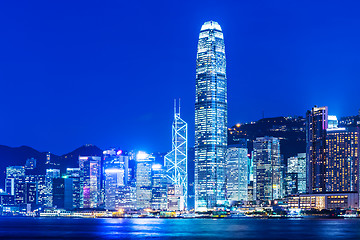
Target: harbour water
pixel 152 228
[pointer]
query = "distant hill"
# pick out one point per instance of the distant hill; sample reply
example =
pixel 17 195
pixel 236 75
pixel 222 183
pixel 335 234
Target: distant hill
pixel 290 131
pixel 17 156
pixel 71 160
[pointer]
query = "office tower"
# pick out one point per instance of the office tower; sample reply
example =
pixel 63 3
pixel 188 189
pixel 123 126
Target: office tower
pixel 159 187
pixel 15 171
pixel 175 197
pixel 112 184
pixel 191 179
pixel 342 160
pixel 251 190
pixel 316 125
pixel 296 166
pixel 292 165
pixel 116 175
pixel 176 160
pixel 12 173
pixel 144 163
pixel 40 180
pixel 118 159
pixel 301 172
pixel 267 168
pixel 6 199
pixel 63 192
pixel 332 122
pixel 237 162
pixel 89 181
pixel 50 175
pixel 127 197
pixel 291 184
pixel 25 191
pixel 210 118
pixel 72 188
pixel 58 192
pixel 53 173
pixel 116 164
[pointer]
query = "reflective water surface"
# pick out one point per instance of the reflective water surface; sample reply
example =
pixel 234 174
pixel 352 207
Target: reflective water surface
pixel 61 228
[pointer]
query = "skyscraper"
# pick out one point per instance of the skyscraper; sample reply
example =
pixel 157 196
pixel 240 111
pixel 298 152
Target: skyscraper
pixel 210 118
pixel 115 165
pixel 267 168
pixel 72 187
pixel 159 187
pixel 144 163
pixel 316 125
pixel 237 161
pixel 12 173
pixel 176 160
pixel 89 181
pixel 297 165
pixel 342 160
pixel 50 175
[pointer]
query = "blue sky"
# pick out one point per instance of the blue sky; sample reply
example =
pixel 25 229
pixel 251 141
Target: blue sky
pixel 106 72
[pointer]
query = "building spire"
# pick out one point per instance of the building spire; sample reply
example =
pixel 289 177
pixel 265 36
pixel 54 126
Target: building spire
pixel 174 106
pixel 179 107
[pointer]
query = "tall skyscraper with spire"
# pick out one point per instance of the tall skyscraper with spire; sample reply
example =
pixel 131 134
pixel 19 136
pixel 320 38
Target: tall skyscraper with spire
pixel 176 159
pixel 210 118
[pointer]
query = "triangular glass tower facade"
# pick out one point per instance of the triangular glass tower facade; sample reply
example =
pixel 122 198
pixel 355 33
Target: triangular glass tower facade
pixel 176 160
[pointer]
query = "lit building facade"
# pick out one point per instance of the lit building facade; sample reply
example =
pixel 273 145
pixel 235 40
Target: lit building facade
pixel 342 160
pixel 175 198
pixel 89 181
pixel 237 163
pixel 72 188
pixel 25 191
pixel 316 125
pixel 159 187
pixel 116 165
pixel 210 118
pixel 296 166
pixel 50 175
pixel 12 173
pixel 321 201
pixel 40 181
pixel 176 161
pixel 58 192
pixel 332 122
pixel 144 163
pixel 267 169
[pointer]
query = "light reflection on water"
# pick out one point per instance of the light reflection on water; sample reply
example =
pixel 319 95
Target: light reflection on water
pixel 141 228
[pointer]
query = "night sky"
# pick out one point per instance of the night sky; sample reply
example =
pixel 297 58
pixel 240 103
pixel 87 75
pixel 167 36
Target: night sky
pixel 106 72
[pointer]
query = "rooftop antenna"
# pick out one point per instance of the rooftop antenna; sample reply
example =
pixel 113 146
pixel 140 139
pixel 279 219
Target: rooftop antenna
pixel 174 106
pixel 179 106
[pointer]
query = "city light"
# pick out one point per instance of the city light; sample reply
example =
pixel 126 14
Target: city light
pixel 141 155
pixel 156 167
pixel 113 170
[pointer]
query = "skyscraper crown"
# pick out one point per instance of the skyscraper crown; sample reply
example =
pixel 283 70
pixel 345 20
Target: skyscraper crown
pixel 210 25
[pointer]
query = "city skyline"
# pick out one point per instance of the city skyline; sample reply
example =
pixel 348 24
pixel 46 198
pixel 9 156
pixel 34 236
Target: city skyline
pixel 64 88
pixel 264 145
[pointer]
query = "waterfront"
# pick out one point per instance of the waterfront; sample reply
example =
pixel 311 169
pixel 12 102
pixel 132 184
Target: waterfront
pixel 143 228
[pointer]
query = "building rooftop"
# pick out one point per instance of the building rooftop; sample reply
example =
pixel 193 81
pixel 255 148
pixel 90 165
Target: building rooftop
pixel 210 25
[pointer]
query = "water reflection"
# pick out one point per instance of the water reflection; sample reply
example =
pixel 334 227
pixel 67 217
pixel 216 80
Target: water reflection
pixel 50 228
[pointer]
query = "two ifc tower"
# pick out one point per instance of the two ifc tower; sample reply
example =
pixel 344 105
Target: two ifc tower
pixel 210 125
